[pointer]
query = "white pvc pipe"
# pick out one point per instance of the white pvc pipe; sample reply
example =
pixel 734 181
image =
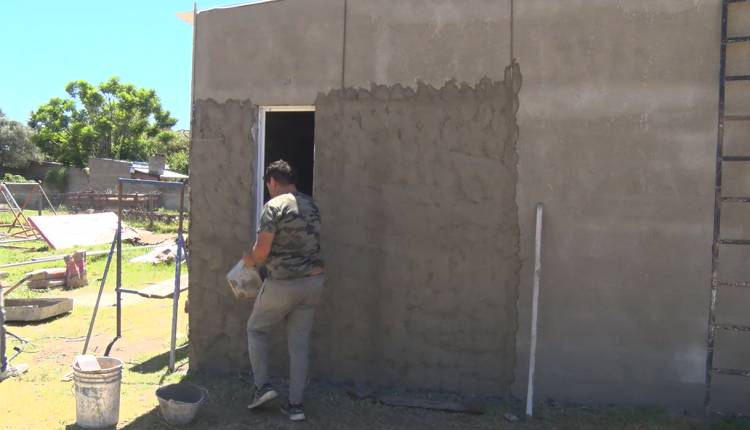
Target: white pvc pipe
pixel 534 308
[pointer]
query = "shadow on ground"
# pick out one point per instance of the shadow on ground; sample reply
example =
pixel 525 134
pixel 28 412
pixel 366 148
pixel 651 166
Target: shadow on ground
pixel 160 362
pixel 328 407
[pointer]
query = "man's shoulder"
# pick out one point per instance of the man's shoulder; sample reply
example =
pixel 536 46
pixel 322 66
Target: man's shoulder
pixel 303 198
pixel 306 203
pixel 280 201
pixel 292 202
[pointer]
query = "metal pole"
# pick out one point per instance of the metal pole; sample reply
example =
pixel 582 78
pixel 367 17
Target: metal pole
pixel 16 285
pixel 27 239
pixel 192 70
pixel 54 212
pixel 58 257
pixel 512 18
pixel 99 295
pixel 535 308
pixel 343 46
pixel 717 213
pixel 3 358
pixel 39 203
pixel 177 274
pixel 118 237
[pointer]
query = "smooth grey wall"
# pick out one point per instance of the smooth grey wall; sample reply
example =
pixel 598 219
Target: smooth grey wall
pixel 78 180
pixel 281 52
pixel 103 173
pixel 618 132
pixel 285 52
pixel 400 42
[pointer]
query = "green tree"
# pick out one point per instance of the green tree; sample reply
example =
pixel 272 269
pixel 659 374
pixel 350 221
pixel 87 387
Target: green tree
pixel 112 120
pixel 16 148
pixel 176 147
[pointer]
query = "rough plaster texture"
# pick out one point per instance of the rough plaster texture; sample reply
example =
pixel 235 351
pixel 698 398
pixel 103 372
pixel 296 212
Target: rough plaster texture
pixel 411 186
pixel 222 171
pixel 417 190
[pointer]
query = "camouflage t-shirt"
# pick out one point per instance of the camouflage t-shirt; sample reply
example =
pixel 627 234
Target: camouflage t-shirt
pixel 294 218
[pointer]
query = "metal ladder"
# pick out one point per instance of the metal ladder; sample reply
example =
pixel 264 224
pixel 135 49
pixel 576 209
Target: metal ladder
pixel 19 219
pixel 719 199
pixel 12 204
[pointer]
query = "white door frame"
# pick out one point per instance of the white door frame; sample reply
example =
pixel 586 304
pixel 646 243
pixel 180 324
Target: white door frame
pixel 261 153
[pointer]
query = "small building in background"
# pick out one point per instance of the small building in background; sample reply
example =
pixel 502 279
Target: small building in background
pixel 103 173
pixel 155 169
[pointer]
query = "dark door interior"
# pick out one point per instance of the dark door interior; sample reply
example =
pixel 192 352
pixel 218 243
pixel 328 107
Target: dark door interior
pixel 290 137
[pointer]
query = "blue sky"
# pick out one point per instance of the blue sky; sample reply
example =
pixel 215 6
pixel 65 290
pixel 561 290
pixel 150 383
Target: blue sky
pixel 46 44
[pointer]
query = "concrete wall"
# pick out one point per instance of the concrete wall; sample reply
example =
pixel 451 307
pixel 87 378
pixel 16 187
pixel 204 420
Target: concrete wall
pixel 221 207
pixel 102 177
pixel 618 125
pixel 78 180
pixel 103 173
pixel 618 135
pixel 36 171
pixel 410 185
pixel 274 53
pixel 292 53
pixel 287 51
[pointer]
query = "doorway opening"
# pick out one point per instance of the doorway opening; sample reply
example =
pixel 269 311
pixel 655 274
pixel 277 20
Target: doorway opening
pixel 286 133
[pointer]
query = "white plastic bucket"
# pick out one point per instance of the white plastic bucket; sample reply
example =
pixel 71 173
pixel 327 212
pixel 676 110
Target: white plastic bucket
pixel 98 394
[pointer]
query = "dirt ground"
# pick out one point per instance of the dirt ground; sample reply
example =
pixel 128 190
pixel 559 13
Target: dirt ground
pixel 328 407
pixel 43 398
pixel 144 347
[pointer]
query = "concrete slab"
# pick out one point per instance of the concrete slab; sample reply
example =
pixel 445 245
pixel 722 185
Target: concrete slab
pixel 28 310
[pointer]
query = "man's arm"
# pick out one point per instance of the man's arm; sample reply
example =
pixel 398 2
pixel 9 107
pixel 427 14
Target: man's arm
pixel 261 249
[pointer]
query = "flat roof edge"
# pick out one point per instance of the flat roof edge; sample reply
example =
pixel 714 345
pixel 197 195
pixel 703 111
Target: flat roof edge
pixel 232 6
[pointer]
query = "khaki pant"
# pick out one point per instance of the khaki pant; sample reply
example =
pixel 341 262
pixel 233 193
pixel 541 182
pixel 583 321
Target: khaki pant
pixel 292 301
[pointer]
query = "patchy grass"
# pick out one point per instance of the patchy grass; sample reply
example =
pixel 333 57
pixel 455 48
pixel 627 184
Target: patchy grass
pixel 133 273
pixel 159 226
pixel 41 399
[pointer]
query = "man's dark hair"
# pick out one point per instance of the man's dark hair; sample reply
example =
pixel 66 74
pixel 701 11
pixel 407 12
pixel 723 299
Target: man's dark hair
pixel 281 172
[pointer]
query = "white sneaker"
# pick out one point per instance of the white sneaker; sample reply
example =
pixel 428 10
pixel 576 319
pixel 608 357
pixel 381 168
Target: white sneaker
pixel 294 412
pixel 11 371
pixel 263 395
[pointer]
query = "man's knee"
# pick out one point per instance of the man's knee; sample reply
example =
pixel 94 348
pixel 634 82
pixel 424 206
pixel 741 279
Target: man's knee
pixel 255 326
